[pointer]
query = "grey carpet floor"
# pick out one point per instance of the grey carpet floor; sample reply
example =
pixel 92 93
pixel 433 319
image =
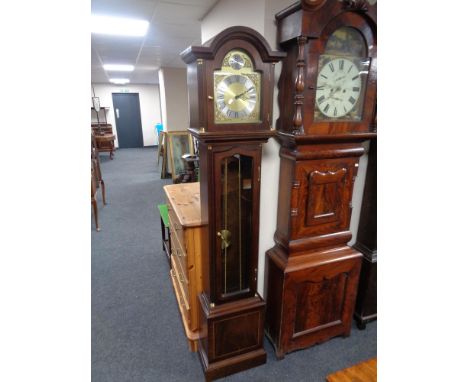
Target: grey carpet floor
pixel 137 334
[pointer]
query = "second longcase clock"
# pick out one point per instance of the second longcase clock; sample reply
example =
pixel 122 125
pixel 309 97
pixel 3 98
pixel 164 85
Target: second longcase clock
pixel 230 80
pixel 327 93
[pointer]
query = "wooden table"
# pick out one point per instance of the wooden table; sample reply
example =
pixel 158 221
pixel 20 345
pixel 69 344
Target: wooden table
pixel 362 372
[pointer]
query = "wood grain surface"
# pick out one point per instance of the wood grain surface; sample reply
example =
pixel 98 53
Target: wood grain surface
pixel 362 372
pixel 185 200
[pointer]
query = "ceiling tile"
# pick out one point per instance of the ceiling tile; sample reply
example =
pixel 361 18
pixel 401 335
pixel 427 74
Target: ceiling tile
pixel 139 9
pixel 178 12
pixel 174 25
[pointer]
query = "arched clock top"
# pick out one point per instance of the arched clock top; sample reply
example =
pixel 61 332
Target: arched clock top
pixel 329 81
pixel 356 24
pixel 310 17
pixel 231 37
pixel 231 80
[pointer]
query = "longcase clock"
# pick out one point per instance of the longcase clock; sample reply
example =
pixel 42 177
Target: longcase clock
pixel 327 93
pixel 366 243
pixel 230 81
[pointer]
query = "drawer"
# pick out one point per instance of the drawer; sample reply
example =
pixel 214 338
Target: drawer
pixel 185 310
pixel 182 280
pixel 178 229
pixel 179 253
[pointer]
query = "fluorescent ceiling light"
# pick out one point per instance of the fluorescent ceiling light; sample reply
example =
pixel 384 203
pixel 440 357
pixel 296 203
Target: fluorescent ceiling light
pixel 119 81
pixel 118 68
pixel 118 26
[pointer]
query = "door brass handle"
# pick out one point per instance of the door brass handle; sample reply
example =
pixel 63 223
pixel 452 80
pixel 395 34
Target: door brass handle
pixel 225 236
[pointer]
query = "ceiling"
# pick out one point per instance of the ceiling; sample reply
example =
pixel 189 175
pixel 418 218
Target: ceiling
pixel 174 25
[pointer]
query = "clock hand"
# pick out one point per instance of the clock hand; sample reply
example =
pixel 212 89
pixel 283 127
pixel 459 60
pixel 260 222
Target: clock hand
pixel 240 95
pixel 333 91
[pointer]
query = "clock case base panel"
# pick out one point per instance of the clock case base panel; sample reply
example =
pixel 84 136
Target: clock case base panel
pixel 235 342
pixel 310 297
pixel 312 274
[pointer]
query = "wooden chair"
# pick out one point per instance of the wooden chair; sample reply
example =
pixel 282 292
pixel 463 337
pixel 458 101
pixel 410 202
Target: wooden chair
pixel 105 143
pixel 96 180
pixel 93 198
pixel 97 168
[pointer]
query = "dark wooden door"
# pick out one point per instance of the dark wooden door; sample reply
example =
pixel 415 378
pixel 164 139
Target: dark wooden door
pixel 128 119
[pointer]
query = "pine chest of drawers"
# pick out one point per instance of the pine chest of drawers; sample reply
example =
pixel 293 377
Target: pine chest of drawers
pixel 183 204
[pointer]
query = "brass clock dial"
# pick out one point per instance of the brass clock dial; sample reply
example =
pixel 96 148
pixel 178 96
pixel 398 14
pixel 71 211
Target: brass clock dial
pixel 237 90
pixel 236 96
pixel 236 61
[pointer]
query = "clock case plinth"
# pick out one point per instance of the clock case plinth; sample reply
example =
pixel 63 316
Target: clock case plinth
pixel 232 326
pixel 311 274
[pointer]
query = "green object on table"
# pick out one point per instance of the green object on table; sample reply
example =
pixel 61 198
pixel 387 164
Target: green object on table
pixel 164 214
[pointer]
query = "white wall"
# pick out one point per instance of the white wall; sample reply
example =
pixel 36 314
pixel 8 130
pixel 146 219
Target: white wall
pixel 162 95
pixel 260 15
pixel 174 98
pixel 228 13
pixel 150 107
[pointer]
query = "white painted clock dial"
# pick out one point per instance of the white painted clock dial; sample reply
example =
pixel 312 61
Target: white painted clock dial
pixel 338 87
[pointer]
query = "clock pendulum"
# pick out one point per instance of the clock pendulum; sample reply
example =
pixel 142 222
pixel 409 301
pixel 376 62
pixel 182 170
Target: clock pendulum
pixel 327 90
pixel 230 82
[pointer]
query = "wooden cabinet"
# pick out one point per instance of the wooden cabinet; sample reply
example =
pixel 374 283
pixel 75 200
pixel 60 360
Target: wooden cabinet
pixel 183 201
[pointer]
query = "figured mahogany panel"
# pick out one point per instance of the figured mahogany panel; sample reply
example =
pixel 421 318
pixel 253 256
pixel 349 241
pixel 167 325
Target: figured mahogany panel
pixel 323 196
pixel 319 303
pixel 319 297
pixel 325 189
pixel 237 334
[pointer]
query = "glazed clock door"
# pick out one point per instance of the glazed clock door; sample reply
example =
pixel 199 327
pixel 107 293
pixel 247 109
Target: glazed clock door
pixel 236 174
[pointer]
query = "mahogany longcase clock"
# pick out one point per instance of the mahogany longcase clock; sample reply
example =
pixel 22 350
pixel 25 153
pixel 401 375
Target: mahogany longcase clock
pixel 230 81
pixel 327 93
